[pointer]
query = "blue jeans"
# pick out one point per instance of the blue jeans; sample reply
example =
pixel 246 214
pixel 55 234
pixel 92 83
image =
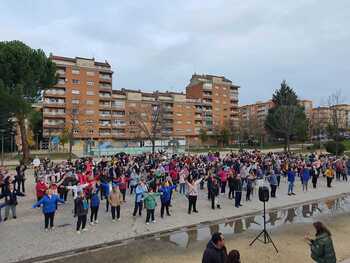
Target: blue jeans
pixel 1 206
pixel 182 188
pixel 290 187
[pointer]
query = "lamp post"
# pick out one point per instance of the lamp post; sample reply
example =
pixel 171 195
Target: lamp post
pixel 2 131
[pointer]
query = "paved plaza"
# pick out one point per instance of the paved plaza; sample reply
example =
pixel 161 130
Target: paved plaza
pixel 25 238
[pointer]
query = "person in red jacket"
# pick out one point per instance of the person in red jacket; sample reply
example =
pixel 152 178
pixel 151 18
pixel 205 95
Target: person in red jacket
pixel 40 188
pixel 123 185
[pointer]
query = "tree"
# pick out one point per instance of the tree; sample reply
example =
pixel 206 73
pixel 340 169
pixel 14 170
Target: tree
pixel 337 121
pixel 35 119
pixel 286 119
pixel 65 136
pixel 24 74
pixel 72 115
pixel 148 121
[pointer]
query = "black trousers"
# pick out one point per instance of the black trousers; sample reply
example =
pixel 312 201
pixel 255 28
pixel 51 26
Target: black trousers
pixel 231 192
pixel 81 222
pixel 164 205
pixel 223 187
pixel 213 201
pixel 314 182
pixel 345 177
pixel 150 215
pixel 114 209
pixel 64 195
pixel 192 201
pixel 20 182
pixel 49 219
pixel 278 180
pixel 94 213
pixel 209 192
pixel 123 191
pixel 249 191
pixel 238 197
pixel 138 207
pixel 107 204
pixel 337 175
pixel 329 181
pixel 273 190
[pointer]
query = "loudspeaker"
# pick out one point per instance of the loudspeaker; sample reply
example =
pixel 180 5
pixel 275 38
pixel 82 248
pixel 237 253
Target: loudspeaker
pixel 264 193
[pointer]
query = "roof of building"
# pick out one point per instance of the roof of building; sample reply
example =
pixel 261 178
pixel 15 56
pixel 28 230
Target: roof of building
pixel 74 60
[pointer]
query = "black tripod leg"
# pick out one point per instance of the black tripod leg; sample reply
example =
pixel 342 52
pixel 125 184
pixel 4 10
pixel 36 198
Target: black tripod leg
pixel 270 240
pixel 255 239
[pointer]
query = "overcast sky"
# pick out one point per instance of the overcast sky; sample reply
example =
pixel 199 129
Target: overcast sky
pixel 158 45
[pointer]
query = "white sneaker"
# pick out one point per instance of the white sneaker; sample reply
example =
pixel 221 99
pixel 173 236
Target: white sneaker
pixel 113 220
pixel 85 229
pixel 78 232
pixel 92 223
pixel 147 223
pixel 52 228
pixel 96 222
pixel 119 219
pixel 154 221
pixel 46 230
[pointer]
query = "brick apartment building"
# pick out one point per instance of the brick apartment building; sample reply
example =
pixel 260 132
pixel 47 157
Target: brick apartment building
pixel 219 98
pixel 83 100
pixel 253 116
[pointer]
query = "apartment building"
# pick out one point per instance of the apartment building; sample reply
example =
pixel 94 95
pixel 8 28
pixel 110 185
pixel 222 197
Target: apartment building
pixel 323 116
pixel 253 116
pixel 81 99
pixel 219 97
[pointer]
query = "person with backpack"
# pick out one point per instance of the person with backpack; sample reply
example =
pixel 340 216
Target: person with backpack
pixel 81 210
pixel 49 204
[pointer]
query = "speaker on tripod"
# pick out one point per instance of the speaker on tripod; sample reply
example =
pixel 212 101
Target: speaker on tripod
pixel 264 195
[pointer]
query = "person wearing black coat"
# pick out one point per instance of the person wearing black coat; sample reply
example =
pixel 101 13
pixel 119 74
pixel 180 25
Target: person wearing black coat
pixel 216 251
pixel 11 201
pixel 231 193
pixel 81 210
pixel 20 178
pixel 314 175
pixel 214 194
pixel 237 186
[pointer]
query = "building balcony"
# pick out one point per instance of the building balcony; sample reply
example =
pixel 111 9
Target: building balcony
pixel 168 116
pixel 54 114
pixel 54 104
pixel 106 87
pixel 53 125
pixel 107 97
pixel 105 116
pixel 53 93
pixel 118 106
pixel 104 105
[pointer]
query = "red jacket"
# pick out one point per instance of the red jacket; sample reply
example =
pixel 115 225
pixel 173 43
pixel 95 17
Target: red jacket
pixel 40 188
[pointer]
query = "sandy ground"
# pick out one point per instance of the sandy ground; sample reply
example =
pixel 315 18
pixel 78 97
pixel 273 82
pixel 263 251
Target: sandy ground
pixel 288 238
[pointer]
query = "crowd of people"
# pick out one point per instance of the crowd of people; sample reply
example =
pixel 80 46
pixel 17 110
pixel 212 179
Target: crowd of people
pixel 152 178
pixel 149 179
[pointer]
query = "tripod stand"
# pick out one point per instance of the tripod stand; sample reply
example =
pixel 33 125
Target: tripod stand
pixel 266 237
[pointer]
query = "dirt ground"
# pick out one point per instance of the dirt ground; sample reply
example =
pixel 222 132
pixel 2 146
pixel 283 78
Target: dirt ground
pixel 289 239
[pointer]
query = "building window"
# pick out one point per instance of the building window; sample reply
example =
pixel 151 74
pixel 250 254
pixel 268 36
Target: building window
pixel 90 102
pixel 90 112
pixel 75 101
pixel 75 81
pixel 188 122
pixel 75 111
pixel 75 91
pixel 89 83
pixel 90 73
pixel 75 71
pixel 179 114
pixel 90 93
pixel 179 122
pixel 76 122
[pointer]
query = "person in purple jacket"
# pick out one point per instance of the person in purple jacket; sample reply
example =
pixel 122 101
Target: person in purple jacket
pixel 49 204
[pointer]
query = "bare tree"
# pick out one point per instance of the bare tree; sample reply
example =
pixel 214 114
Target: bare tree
pixel 149 122
pixel 71 126
pixel 336 121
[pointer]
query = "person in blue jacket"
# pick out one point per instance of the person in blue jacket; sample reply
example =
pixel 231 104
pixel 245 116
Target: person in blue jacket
pixel 291 180
pixel 305 177
pixel 49 204
pixel 165 198
pixel 94 204
pixel 106 187
pixel 140 189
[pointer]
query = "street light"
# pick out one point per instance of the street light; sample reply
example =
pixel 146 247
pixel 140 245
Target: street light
pixel 2 131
